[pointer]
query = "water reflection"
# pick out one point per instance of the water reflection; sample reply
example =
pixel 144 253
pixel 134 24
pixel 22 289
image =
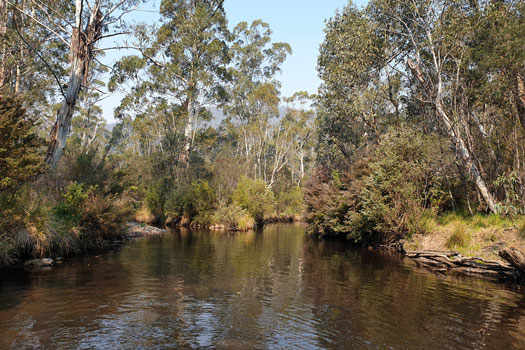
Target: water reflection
pixel 274 289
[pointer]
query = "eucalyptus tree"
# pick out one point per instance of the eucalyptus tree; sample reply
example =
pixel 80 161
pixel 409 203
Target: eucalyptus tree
pixel 32 63
pixel 93 21
pixel 79 28
pixel 359 96
pixel 435 65
pixel 181 68
pixel 254 91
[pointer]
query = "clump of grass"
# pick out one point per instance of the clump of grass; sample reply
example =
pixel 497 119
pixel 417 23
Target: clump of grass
pixel 492 237
pixel 479 221
pixel 450 217
pixel 144 215
pixel 459 238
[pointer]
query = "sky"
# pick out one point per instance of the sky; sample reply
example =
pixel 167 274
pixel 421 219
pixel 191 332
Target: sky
pixel 297 22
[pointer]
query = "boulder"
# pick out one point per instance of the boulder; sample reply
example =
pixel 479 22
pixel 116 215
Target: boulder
pixel 39 262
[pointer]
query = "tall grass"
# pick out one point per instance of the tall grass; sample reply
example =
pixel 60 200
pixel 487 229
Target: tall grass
pixel 460 238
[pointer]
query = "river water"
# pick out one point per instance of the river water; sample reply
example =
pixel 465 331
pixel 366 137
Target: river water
pixel 274 289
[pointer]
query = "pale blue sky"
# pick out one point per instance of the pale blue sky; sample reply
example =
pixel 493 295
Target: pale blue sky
pixel 297 22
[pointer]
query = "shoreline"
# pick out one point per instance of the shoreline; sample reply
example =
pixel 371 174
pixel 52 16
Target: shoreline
pixel 134 230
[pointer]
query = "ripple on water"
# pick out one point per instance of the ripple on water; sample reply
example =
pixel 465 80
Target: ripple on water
pixel 274 289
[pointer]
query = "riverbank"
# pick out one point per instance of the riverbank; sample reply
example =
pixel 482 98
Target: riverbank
pixel 479 246
pixel 134 230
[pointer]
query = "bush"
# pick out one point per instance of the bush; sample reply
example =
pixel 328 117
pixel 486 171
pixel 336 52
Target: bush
pixel 144 215
pixel 290 203
pixel 87 219
pixel 196 202
pixel 21 153
pixel 234 217
pixel 155 198
pixel 102 219
pixel 70 208
pixel 395 193
pixel 255 197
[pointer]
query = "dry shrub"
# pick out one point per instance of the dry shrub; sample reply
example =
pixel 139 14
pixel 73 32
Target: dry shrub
pixel 144 215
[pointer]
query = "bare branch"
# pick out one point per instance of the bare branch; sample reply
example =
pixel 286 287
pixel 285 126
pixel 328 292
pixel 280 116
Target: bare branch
pixel 40 23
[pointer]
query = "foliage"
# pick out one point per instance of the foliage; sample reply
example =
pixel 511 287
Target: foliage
pixel 70 208
pixel 234 218
pixel 290 203
pixel 21 156
pixel 254 197
pixel 394 193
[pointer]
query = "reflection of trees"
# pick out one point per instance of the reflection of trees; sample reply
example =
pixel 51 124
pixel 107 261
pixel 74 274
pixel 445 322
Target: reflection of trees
pixel 254 290
pixel 72 297
pixel 371 298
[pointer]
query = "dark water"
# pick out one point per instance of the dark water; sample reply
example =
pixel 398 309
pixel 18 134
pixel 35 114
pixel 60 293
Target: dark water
pixel 271 290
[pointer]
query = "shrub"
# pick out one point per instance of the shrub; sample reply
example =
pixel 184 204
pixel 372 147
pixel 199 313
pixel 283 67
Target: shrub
pixel 291 202
pixel 234 218
pixel 395 193
pixel 21 154
pixel 70 208
pixel 144 215
pixel 255 197
pixel 102 219
pixel 156 197
pixel 196 201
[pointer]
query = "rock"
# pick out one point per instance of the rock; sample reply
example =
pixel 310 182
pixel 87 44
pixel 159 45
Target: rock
pixel 141 230
pixel 39 262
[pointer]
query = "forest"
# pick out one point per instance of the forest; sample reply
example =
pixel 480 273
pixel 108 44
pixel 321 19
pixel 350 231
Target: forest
pixel 418 126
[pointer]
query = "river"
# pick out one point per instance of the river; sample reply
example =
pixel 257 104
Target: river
pixel 274 289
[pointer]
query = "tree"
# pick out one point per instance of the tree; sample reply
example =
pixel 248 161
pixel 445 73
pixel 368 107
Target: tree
pixel 436 64
pixel 91 22
pixel 21 156
pixel 181 68
pixel 254 94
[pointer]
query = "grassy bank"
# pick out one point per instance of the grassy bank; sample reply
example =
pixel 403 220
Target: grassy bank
pixel 476 235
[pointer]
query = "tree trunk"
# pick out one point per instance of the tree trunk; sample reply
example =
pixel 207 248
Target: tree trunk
pixel 188 132
pixel 466 157
pixel 62 127
pixel 3 42
pixel 520 90
pixel 80 56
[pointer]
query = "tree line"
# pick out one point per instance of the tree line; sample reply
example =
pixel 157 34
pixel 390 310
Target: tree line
pixel 421 111
pixel 203 136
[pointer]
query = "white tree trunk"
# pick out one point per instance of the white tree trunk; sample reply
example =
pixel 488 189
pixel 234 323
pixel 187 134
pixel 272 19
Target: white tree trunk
pixel 80 57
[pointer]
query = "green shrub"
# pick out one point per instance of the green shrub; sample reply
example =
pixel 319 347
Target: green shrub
pixel 21 150
pixel 196 201
pixel 103 218
pixel 70 208
pixel 291 202
pixel 395 193
pixel 234 217
pixel 255 197
pixel 155 198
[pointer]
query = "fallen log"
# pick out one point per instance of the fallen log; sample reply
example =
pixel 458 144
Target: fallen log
pixel 515 257
pixel 453 262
